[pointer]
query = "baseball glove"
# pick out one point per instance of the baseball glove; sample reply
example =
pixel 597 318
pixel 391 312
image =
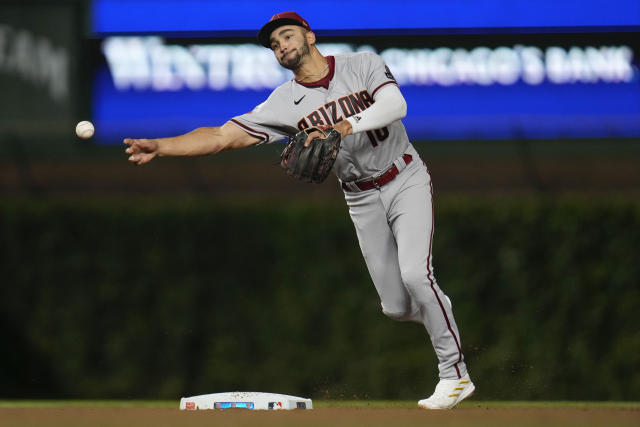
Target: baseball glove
pixel 312 163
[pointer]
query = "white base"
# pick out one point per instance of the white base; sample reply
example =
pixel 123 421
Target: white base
pixel 245 400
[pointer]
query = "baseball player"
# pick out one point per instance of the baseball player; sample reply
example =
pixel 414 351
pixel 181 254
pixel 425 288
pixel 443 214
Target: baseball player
pixel 386 185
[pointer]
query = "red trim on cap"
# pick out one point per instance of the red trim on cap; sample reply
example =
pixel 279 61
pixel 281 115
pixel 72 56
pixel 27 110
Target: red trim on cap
pixel 291 15
pixel 323 82
pixel 278 20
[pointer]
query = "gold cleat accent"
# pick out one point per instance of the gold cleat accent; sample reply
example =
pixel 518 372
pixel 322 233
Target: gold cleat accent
pixel 449 393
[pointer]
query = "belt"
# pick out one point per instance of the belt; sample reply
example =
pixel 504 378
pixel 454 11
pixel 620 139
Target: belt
pixel 377 182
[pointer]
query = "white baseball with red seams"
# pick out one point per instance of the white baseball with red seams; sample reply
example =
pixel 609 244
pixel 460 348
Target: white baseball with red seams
pixel 85 129
pixel 393 217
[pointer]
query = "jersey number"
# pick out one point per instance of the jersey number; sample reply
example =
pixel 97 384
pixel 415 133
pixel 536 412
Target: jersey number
pixel 377 135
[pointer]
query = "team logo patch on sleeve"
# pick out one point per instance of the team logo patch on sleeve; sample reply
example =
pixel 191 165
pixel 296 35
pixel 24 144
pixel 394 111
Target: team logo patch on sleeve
pixel 387 72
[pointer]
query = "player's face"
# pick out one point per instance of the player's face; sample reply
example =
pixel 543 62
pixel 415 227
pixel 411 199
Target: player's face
pixel 290 46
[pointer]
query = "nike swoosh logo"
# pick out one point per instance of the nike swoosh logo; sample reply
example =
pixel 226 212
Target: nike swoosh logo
pixel 298 101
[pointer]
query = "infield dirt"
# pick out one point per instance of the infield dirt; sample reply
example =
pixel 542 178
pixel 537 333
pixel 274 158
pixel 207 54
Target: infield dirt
pixel 476 416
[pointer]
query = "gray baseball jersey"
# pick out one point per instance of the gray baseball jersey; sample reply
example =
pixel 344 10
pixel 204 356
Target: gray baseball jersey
pixel 348 89
pixel 393 222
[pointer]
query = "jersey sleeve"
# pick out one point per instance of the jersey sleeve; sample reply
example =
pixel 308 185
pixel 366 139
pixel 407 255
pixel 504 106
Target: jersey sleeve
pixel 263 122
pixel 377 74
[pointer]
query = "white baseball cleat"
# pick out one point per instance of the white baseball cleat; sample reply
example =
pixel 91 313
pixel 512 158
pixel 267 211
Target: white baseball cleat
pixel 449 393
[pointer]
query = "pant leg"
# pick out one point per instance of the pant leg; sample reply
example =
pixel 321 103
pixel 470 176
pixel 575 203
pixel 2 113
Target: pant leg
pixel 380 253
pixel 410 215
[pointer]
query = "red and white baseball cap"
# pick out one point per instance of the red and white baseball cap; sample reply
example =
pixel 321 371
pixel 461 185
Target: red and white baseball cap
pixel 278 20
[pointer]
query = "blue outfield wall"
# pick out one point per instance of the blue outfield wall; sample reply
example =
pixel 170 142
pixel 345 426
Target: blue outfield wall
pixel 144 16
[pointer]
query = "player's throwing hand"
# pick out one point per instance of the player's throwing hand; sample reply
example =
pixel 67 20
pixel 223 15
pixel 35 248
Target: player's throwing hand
pixel 141 151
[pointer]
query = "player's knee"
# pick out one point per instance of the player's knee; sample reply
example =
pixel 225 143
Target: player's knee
pixel 407 315
pixel 399 316
pixel 415 277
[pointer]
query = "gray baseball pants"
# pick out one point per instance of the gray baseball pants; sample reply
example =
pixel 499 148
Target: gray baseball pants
pixel 395 225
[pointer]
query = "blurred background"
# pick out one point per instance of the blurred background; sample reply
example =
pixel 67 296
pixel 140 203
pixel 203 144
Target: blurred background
pixel 200 275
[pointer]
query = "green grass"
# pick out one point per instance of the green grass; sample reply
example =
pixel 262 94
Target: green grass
pixel 475 404
pixel 316 403
pixel 89 403
pixel 551 404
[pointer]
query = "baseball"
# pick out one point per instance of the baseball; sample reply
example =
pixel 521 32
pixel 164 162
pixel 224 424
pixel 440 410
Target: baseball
pixel 85 129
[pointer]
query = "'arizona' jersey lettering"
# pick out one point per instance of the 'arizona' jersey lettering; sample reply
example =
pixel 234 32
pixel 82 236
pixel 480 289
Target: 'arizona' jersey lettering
pixel 328 114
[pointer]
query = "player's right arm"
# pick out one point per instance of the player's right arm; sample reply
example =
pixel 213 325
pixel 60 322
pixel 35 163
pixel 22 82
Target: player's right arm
pixel 199 142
